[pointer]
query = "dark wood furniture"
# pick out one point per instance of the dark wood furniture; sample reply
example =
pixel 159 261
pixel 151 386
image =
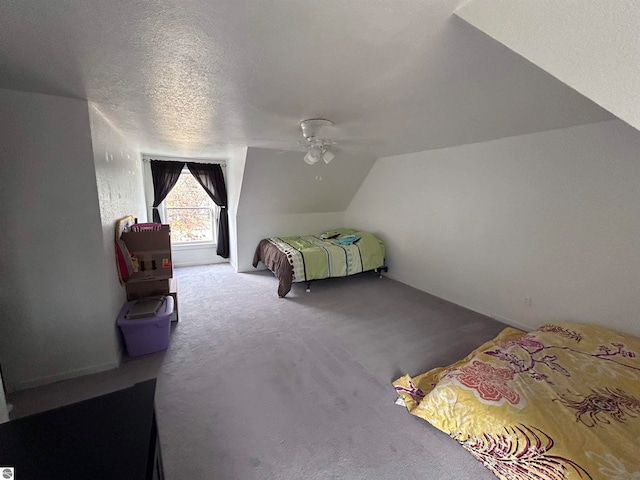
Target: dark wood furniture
pixel 114 436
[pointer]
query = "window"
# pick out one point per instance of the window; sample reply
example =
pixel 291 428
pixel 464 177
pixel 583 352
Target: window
pixel 190 212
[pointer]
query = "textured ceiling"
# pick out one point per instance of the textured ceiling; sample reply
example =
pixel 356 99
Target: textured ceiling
pixel 190 77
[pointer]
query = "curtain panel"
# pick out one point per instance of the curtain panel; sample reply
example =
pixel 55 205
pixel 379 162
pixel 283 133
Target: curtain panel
pixel 165 175
pixel 210 176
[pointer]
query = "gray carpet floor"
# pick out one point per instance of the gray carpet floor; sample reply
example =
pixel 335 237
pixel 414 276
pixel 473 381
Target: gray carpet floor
pixel 258 387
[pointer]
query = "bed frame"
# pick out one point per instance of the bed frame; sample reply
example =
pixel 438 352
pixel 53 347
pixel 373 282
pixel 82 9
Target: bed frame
pixel 378 270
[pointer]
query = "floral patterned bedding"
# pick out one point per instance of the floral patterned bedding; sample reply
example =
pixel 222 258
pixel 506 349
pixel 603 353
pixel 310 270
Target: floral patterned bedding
pixel 562 402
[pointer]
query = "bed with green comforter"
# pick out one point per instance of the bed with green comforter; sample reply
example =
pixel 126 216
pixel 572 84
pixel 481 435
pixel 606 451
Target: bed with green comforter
pixel 337 253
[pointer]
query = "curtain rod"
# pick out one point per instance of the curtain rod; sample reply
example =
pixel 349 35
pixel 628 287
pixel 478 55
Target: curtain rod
pixel 147 158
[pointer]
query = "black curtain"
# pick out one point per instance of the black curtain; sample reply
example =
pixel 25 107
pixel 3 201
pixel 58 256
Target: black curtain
pixel 210 176
pixel 165 175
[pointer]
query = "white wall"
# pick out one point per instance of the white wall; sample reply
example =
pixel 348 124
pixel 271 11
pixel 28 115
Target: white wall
pixel 188 256
pixel 591 45
pixel 55 302
pixel 235 174
pixel 552 216
pixel 279 182
pixel 118 174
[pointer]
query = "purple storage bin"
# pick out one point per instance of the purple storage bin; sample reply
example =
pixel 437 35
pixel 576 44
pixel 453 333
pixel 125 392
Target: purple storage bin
pixel 146 335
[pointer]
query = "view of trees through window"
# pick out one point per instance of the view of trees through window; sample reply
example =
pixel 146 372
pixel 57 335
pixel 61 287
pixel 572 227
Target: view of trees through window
pixel 190 211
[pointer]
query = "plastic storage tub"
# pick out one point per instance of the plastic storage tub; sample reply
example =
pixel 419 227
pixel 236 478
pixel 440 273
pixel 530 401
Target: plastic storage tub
pixel 146 335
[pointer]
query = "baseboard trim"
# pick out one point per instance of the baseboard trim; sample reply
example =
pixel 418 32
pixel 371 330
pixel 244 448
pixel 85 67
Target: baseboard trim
pixel 512 323
pixel 195 264
pixel 506 321
pixel 47 379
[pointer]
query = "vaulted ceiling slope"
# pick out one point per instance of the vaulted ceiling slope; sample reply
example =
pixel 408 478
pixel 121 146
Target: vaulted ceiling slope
pixel 188 77
pixel 279 182
pixel 591 45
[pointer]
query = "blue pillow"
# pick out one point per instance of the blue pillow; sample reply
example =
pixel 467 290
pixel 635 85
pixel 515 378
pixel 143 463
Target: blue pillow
pixel 348 239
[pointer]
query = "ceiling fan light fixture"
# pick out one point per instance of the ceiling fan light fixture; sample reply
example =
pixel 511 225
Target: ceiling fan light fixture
pixel 311 126
pixel 313 156
pixel 316 144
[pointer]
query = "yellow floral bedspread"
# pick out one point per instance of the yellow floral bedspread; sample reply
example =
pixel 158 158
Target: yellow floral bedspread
pixel 562 402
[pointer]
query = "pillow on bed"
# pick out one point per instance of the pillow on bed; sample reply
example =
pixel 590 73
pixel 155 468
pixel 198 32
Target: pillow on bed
pixel 348 239
pixel 329 234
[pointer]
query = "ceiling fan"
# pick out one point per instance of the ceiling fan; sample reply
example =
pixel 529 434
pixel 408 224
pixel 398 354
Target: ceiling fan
pixel 315 145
